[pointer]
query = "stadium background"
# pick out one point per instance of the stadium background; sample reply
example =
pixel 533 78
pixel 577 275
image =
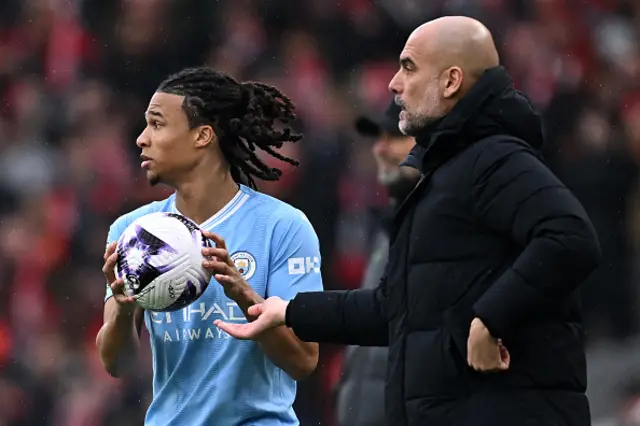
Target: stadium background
pixel 75 76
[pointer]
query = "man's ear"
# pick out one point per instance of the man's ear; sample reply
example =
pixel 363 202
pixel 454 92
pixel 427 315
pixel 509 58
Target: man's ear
pixel 204 136
pixel 453 83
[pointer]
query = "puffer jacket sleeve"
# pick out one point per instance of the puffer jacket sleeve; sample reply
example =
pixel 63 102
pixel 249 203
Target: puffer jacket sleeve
pixel 350 317
pixel 516 194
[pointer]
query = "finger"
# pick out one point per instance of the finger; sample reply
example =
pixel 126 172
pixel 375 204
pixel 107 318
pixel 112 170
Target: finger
pixel 478 365
pixel 240 331
pixel 218 253
pixel 504 354
pixel 117 286
pixel 124 300
pixel 481 368
pixel 225 279
pixel 111 260
pixel 218 267
pixel 110 249
pixel 217 239
pixel 208 234
pixel 109 267
pixel 504 366
pixel 497 368
pixel 118 290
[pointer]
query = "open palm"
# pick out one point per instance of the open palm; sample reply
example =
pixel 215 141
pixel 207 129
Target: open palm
pixel 269 314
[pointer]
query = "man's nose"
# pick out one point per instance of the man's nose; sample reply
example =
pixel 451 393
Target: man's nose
pixel 395 85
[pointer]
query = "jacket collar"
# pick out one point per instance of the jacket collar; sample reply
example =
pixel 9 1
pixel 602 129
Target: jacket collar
pixel 450 134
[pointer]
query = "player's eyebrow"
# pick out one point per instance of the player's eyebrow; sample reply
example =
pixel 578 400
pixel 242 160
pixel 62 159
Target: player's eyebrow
pixel 156 114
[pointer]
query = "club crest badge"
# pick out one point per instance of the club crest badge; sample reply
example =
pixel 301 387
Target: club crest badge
pixel 245 263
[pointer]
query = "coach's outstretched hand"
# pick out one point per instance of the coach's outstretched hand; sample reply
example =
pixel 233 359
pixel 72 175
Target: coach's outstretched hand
pixel 270 314
pixel 263 314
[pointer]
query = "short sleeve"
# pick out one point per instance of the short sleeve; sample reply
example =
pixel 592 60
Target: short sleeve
pixel 295 259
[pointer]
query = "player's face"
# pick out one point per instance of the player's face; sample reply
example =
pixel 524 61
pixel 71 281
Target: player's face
pixel 167 142
pixel 389 151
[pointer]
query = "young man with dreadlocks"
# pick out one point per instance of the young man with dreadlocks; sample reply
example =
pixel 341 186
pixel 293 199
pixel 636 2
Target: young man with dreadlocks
pixel 203 131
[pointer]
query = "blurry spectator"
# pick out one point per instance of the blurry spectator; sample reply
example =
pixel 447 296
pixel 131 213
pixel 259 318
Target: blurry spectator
pixel 596 158
pixel 360 392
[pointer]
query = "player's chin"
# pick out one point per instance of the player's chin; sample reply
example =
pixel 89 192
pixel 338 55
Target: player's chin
pixel 153 178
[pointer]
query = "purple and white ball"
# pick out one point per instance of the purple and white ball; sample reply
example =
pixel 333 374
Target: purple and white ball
pixel 160 260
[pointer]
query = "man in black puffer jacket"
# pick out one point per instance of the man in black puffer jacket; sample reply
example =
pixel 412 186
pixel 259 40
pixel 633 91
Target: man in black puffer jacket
pixel 487 252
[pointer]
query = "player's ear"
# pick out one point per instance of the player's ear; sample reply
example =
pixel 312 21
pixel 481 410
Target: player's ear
pixel 205 135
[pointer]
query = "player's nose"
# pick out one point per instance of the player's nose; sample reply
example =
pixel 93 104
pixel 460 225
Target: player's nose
pixel 143 139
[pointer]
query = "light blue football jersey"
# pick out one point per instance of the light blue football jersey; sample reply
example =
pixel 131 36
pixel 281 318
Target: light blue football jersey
pixel 201 375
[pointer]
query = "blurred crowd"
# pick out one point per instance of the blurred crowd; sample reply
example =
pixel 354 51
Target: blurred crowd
pixel 75 77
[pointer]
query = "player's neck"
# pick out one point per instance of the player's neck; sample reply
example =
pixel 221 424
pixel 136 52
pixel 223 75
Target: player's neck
pixel 202 197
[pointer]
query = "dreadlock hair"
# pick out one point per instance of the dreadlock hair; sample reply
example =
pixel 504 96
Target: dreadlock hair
pixel 243 115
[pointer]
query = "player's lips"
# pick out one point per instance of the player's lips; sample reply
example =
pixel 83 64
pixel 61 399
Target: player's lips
pixel 145 161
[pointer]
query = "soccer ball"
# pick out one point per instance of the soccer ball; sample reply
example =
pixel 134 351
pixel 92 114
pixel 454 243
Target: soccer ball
pixel 160 260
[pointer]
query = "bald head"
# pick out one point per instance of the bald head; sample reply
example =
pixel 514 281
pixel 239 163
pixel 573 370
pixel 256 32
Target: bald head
pixel 457 41
pixel 440 62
